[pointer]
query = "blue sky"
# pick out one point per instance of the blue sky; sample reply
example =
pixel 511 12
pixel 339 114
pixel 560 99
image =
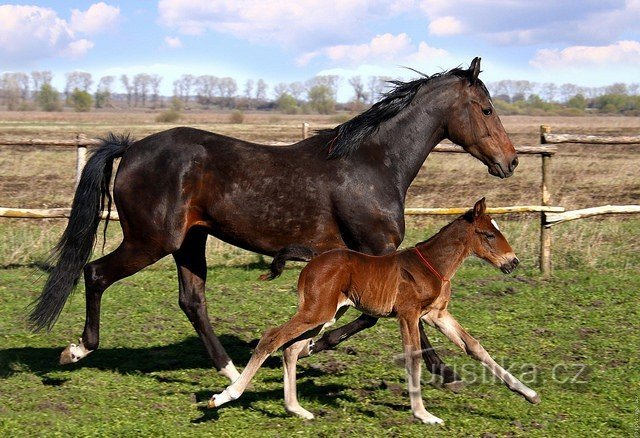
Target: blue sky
pixel 588 42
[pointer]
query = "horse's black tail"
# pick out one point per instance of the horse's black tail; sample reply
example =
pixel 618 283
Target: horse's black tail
pixel 74 249
pixel 299 253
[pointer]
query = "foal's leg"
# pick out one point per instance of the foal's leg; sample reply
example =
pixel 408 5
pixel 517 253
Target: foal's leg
pixel 289 358
pixel 411 342
pixel 445 322
pixel 192 274
pixel 126 260
pixel 434 364
pixel 302 326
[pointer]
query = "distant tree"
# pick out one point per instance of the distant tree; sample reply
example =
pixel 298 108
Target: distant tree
pixel 617 88
pixel 182 87
pixel 376 86
pixel 206 86
pixel 548 91
pixel 261 90
pixel 321 99
pixel 11 92
pixel 128 88
pixel 296 89
pixel 103 91
pixel 279 90
pixel 360 96
pixel 48 98
pixel 81 100
pixel 578 101
pixel 227 88
pixel 287 104
pixel 79 80
pixel 155 81
pixel 141 84
pixel 39 78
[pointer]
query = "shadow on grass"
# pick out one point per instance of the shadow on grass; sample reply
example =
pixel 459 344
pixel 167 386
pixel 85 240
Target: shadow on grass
pixel 327 395
pixel 186 354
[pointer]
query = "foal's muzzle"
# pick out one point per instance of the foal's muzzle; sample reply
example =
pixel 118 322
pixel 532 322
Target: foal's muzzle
pixel 510 266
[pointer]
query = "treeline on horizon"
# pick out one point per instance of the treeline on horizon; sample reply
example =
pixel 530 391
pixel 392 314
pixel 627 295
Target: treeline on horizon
pixel 34 91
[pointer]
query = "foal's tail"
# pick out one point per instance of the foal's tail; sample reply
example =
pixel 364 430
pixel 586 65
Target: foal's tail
pixel 74 249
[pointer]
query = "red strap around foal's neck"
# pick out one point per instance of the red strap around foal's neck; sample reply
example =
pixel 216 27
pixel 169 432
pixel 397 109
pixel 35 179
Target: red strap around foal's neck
pixel 428 265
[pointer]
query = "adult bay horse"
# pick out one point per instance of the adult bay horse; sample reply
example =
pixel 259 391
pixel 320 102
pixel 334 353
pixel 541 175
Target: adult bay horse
pixel 342 188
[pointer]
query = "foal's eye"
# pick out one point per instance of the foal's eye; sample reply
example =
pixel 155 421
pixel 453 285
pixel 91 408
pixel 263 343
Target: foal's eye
pixel 487 111
pixel 489 235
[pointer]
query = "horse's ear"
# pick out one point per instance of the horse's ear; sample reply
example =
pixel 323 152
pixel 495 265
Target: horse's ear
pixel 479 208
pixel 474 70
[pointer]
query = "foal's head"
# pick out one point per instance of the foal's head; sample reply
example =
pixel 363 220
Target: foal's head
pixel 487 242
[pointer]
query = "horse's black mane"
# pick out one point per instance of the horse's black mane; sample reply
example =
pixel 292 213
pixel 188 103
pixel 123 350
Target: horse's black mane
pixel 346 138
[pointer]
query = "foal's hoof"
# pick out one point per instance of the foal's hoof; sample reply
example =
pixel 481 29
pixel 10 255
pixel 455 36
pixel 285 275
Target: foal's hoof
pixel 534 399
pixel 73 353
pixel 456 387
pixel 301 412
pixel 428 418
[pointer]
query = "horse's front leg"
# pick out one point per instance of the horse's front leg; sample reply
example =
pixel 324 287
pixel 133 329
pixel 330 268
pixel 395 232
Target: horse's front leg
pixel 449 327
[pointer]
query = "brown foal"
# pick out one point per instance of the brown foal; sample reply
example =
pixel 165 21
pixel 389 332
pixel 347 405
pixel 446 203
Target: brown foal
pixel 411 285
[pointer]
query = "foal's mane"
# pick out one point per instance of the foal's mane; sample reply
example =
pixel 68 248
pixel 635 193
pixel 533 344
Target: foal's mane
pixel 347 137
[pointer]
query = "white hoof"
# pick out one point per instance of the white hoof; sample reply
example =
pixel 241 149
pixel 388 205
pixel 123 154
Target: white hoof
pixel 300 412
pixel 427 418
pixel 225 396
pixel 73 353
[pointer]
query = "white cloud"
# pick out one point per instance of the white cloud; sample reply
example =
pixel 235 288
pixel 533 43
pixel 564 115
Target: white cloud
pixel 445 26
pixel 386 48
pixel 98 18
pixel 522 22
pixel 30 32
pixel 621 52
pixel 304 23
pixel 173 42
pixel 77 48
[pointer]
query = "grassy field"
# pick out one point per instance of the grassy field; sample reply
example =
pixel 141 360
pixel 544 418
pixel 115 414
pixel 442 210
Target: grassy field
pixel 573 337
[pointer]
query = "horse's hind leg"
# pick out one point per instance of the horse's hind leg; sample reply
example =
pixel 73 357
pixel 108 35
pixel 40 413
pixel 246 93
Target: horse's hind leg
pixel 192 274
pixel 126 260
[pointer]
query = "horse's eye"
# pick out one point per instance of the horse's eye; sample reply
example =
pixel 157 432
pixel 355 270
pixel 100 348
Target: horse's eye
pixel 487 111
pixel 489 235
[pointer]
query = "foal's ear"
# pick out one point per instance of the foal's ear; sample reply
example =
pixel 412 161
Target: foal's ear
pixel 479 208
pixel 474 70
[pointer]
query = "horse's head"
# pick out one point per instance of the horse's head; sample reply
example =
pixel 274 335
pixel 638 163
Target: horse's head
pixel 474 125
pixel 487 242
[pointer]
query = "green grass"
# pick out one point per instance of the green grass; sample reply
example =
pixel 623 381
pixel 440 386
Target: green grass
pixel 572 338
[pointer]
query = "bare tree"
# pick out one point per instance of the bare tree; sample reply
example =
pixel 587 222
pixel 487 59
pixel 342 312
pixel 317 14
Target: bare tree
pixel 297 89
pixel 155 81
pixel 376 86
pixel 206 86
pixel 10 91
pixel 360 96
pixel 548 91
pixel 280 90
pixel 261 90
pixel 141 83
pixel 77 80
pixel 182 87
pixel 39 78
pixel 128 88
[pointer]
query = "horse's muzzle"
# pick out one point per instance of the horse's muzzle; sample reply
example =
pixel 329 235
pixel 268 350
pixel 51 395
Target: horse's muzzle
pixel 497 169
pixel 510 266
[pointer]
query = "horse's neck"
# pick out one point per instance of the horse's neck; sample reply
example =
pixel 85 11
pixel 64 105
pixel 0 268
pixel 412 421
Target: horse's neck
pixel 409 137
pixel 447 250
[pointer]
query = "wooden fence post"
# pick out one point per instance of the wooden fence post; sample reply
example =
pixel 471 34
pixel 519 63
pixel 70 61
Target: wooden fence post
pixel 81 155
pixel 305 130
pixel 546 194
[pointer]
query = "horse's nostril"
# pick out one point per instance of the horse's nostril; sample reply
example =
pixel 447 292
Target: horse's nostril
pixel 513 164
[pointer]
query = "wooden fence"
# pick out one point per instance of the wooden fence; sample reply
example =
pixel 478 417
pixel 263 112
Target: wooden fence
pixel 550 215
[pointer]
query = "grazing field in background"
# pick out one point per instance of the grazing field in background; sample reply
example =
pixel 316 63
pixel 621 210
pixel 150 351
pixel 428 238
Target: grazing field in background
pixel 573 337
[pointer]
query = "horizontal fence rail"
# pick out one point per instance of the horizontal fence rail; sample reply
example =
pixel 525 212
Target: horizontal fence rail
pixel 550 215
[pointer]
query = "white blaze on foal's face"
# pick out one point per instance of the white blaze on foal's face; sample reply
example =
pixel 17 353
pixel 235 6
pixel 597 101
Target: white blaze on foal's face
pixel 495 224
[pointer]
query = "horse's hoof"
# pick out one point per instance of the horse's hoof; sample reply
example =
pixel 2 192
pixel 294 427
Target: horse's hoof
pixel 456 386
pixel 428 418
pixel 73 353
pixel 212 403
pixel 535 399
pixel 301 412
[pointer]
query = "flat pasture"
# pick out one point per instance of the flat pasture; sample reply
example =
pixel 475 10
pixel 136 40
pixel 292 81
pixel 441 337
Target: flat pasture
pixel 572 337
